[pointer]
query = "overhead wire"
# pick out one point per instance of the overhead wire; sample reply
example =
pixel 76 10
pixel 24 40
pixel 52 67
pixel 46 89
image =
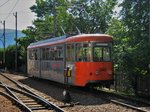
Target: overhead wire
pixel 4 3
pixel 17 1
pixel 21 12
pixel 6 15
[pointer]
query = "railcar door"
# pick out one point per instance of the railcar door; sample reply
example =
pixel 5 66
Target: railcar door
pixel 70 59
pixel 34 62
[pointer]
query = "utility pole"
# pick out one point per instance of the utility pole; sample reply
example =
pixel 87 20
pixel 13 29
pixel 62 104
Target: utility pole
pixel 149 20
pixel 54 13
pixel 4 46
pixel 149 31
pixel 4 59
pixel 16 51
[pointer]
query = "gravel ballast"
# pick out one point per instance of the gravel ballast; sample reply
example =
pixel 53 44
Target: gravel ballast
pixel 87 103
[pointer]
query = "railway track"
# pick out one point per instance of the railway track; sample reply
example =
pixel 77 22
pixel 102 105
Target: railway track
pixel 23 97
pixel 106 96
pixel 131 103
pixel 138 105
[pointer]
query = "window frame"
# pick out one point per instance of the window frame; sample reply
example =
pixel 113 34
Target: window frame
pixel 34 54
pixel 103 45
pixel 70 58
pixel 87 57
pixel 52 53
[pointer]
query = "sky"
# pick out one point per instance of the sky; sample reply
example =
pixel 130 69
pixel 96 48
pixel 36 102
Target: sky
pixel 25 16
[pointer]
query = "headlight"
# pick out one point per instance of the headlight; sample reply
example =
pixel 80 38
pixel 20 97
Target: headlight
pixel 97 72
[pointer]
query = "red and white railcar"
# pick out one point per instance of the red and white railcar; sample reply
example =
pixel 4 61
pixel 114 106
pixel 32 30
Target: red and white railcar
pixel 88 55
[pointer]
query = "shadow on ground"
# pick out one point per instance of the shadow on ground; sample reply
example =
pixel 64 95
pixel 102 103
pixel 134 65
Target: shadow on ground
pixel 53 90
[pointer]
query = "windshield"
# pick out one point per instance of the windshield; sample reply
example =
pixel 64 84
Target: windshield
pixel 101 52
pixel 97 52
pixel 83 52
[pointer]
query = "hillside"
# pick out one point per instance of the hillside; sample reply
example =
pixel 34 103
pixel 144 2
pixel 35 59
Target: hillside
pixel 10 35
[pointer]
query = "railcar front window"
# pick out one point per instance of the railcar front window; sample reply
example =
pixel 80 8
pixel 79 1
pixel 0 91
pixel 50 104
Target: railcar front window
pixel 101 53
pixel 83 52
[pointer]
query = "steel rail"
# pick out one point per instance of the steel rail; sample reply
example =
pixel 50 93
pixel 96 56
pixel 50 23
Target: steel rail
pixel 129 106
pixel 16 102
pixel 35 98
pixel 34 95
pixel 10 92
pixel 107 96
pixel 111 97
pixel 14 98
pixel 57 108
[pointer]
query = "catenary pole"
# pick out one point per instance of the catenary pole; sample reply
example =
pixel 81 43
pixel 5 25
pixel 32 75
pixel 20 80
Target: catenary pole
pixel 54 13
pixel 16 51
pixel 4 45
pixel 149 20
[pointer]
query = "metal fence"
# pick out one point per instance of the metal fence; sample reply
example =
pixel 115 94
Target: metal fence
pixel 124 83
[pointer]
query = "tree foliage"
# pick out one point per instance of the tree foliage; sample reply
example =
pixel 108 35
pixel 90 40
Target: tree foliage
pixel 132 37
pixel 10 57
pixel 1 57
pixel 90 16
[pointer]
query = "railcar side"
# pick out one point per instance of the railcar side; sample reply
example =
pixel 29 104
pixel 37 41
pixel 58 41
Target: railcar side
pixel 88 56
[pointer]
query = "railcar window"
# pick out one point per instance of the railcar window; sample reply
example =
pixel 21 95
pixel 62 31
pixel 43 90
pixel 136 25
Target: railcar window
pixel 47 53
pixel 70 52
pixel 43 53
pixel 55 53
pixel 51 54
pixel 101 53
pixel 106 54
pixel 33 54
pixel 83 52
pixel 97 54
pixel 60 53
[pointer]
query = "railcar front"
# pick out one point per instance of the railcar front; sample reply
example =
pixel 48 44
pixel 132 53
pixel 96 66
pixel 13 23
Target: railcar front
pixel 90 59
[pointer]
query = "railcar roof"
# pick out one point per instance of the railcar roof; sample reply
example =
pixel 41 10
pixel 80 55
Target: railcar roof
pixel 61 38
pixel 48 40
pixel 92 35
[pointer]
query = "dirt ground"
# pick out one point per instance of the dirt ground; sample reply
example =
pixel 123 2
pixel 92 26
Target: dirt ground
pixel 7 106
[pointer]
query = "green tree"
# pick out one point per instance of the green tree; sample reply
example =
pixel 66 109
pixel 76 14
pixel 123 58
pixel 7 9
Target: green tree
pixel 45 10
pixel 131 44
pixel 10 57
pixel 135 17
pixel 90 16
pixel 93 16
pixel 1 57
